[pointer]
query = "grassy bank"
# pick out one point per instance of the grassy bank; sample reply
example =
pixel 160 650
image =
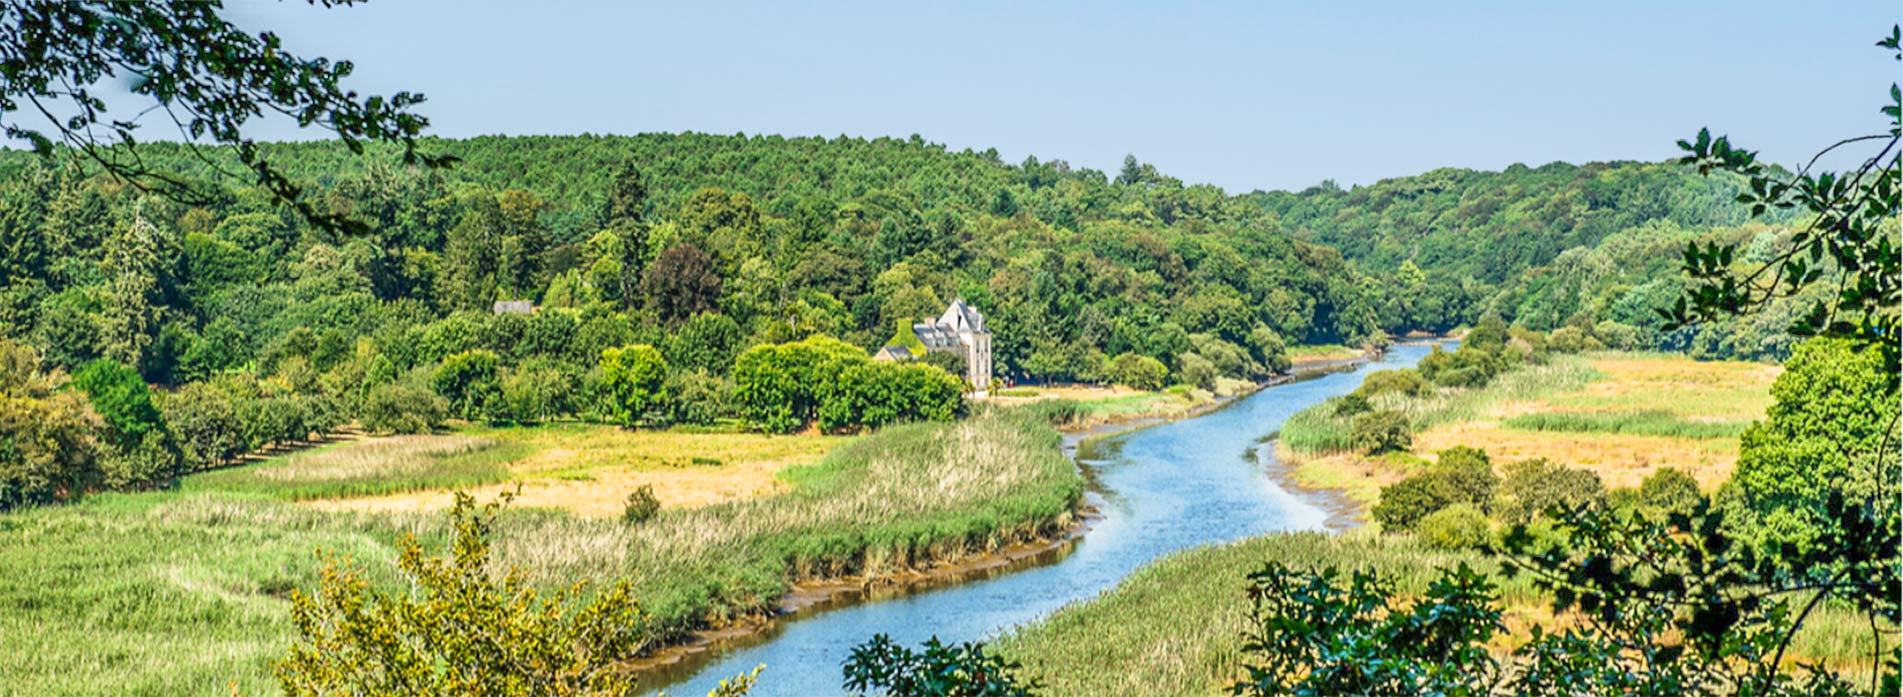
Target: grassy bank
pixel 1621 415
pixel 1174 627
pixel 184 592
pixel 1099 405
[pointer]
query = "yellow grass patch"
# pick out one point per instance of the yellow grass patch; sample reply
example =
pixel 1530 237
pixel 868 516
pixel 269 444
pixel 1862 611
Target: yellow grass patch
pixel 589 470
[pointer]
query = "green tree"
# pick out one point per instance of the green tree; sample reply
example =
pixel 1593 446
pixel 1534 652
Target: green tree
pixel 681 283
pixel 1832 431
pixel 1136 372
pixel 470 381
pixel 632 378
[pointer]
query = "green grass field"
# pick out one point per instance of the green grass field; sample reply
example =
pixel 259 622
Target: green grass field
pixel 184 591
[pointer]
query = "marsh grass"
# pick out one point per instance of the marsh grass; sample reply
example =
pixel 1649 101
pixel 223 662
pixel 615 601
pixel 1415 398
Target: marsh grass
pixel 1319 430
pixel 1648 422
pixel 185 591
pixel 369 468
pixel 1174 627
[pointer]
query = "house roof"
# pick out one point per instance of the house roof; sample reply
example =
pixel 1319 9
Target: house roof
pixel 962 318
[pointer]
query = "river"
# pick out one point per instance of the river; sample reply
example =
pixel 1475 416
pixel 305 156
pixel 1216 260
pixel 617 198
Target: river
pixel 1163 488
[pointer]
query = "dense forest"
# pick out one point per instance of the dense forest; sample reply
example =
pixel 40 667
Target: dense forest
pixel 665 269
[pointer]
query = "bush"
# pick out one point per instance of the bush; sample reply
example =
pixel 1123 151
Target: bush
pixel 872 394
pixel 1463 477
pixel 400 408
pixel 442 627
pixel 1667 492
pixel 642 505
pixel 1470 474
pixel 938 670
pixel 1351 404
pixel 1136 372
pixel 1380 432
pixel 1533 487
pixel 1460 526
pixel 778 387
pixel 1405 381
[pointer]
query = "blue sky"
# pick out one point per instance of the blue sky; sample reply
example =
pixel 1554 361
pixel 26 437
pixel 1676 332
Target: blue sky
pixel 1242 95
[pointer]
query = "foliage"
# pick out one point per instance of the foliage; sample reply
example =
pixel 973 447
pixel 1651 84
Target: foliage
pixel 1382 431
pixel 642 505
pixel 1312 634
pixel 1136 372
pixel 936 670
pixel 1535 488
pixel 1460 526
pixel 461 630
pixel 1850 240
pixel 400 408
pixel 1666 493
pixel 49 437
pixel 632 378
pixel 1832 431
pixel 470 382
pixel 208 75
pixel 872 394
pixel 1462 476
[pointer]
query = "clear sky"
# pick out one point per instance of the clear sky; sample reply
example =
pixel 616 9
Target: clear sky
pixel 1244 95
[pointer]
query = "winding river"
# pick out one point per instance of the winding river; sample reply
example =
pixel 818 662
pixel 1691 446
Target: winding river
pixel 1163 488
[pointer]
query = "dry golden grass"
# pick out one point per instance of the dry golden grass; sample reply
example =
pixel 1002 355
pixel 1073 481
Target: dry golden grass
pixel 590 470
pixel 1698 391
pixel 1714 392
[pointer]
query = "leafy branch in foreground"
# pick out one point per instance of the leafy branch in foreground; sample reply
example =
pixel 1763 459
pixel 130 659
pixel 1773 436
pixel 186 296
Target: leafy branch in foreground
pixel 208 77
pixel 462 631
pixel 962 670
pixel 1850 241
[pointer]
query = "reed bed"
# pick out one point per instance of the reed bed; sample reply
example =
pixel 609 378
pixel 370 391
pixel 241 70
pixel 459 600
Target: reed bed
pixel 369 468
pixel 1647 422
pixel 186 591
pixel 1320 430
pixel 1175 626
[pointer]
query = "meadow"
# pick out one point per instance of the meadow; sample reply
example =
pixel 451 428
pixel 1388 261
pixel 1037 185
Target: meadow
pixel 1622 415
pixel 184 591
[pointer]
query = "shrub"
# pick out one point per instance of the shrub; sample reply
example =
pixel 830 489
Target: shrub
pixel 440 631
pixel 401 408
pixel 1470 474
pixel 1533 487
pixel 1463 477
pixel 1379 432
pixel 1405 381
pixel 1351 404
pixel 1404 503
pixel 1460 526
pixel 1136 372
pixel 1667 492
pixel 642 505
